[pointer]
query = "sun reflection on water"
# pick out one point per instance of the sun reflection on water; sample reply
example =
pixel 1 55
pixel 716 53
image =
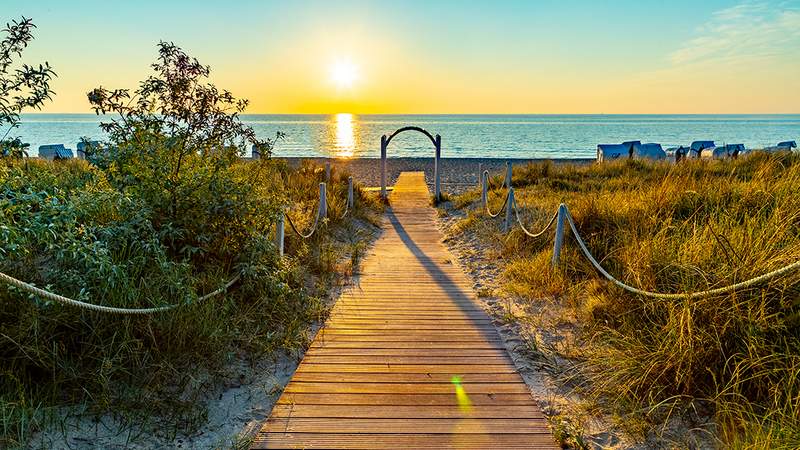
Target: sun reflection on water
pixel 345 137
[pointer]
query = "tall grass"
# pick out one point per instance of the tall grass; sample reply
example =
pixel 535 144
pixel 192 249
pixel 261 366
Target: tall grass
pixel 674 228
pixel 65 228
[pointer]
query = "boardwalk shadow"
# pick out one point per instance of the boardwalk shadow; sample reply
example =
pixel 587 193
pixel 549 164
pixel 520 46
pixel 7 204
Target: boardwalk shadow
pixel 433 268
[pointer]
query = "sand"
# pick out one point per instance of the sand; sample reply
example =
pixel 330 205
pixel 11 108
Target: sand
pixel 235 408
pixel 458 174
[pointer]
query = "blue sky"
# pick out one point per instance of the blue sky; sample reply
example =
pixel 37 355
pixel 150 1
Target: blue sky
pixel 440 56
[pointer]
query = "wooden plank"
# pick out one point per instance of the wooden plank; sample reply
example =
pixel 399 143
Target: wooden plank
pixel 420 400
pixel 413 320
pixel 407 337
pixel 406 412
pixel 407 358
pixel 452 369
pixel 457 334
pixel 336 351
pixel 405 327
pixel 344 322
pixel 416 360
pixel 405 388
pixel 399 425
pixel 393 309
pixel 390 344
pixel 400 377
pixel 532 441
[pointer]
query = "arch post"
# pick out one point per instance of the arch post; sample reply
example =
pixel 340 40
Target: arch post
pixel 383 166
pixel 437 183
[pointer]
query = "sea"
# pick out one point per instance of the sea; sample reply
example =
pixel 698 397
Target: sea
pixel 496 136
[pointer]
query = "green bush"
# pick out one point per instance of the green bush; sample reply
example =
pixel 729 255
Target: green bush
pixel 166 212
pixel 64 227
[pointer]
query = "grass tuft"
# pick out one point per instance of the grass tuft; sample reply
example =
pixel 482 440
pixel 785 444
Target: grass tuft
pixel 671 228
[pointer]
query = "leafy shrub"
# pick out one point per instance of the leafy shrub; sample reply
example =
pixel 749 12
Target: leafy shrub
pixel 174 145
pixel 167 213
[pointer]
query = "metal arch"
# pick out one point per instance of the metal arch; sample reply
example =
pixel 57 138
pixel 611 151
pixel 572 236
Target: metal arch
pixel 412 128
pixel 437 145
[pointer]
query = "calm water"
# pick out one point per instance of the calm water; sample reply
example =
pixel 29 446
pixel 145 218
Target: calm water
pixel 506 136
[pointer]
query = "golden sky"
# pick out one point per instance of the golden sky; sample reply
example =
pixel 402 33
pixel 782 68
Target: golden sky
pixel 439 57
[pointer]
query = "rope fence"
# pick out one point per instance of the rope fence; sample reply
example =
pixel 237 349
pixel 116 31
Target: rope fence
pixel 322 212
pixel 526 231
pixel 562 217
pixel 485 197
pixel 108 309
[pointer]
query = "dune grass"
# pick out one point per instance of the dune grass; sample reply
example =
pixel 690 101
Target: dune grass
pixel 673 229
pixel 65 227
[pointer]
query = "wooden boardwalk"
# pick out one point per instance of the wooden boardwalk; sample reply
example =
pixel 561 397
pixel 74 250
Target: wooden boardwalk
pixel 408 359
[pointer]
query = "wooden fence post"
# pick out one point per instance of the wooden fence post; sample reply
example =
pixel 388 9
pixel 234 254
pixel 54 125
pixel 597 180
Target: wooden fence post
pixel 509 210
pixel 559 240
pixel 485 189
pixel 279 233
pixel 480 174
pixel 323 201
pixel 350 196
pixel 509 173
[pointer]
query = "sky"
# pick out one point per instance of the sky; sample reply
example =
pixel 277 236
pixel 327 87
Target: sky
pixel 438 57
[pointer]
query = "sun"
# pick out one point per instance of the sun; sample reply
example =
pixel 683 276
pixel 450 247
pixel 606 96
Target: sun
pixel 344 73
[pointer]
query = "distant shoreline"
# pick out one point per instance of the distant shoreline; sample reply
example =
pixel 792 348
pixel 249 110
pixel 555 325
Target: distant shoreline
pixel 515 136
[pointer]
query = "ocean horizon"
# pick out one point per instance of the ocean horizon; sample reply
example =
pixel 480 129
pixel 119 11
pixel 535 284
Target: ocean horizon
pixel 463 135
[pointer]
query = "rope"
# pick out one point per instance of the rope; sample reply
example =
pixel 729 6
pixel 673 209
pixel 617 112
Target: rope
pixel 701 294
pixel 346 210
pixel 313 227
pixel 489 211
pixel 107 309
pixel 114 310
pixel 525 230
pixel 486 174
pixel 500 211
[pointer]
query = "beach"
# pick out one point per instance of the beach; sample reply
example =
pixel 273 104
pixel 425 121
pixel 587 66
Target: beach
pixel 382 225
pixel 458 174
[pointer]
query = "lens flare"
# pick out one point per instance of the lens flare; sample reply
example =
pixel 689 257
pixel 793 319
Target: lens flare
pixel 464 403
